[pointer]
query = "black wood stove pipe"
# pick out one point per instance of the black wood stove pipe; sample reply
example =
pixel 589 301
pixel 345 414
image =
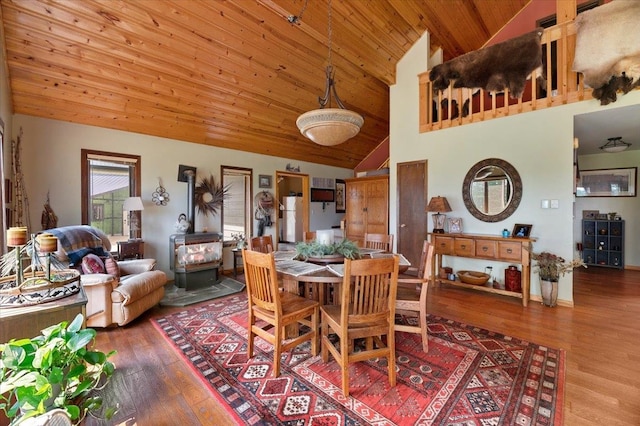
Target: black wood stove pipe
pixel 191 208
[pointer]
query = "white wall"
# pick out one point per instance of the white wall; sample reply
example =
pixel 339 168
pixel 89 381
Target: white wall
pixel 538 144
pixel 626 207
pixel 51 162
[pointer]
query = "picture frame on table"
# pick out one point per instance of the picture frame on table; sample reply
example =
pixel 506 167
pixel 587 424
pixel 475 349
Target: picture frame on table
pixel 521 230
pixel 341 197
pixel 264 181
pixel 455 225
pixel 590 214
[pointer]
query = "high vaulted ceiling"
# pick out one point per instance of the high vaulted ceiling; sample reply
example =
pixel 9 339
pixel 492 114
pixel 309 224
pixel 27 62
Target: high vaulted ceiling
pixel 232 73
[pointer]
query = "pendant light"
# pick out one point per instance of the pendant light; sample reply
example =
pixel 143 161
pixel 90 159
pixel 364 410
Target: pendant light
pixel 329 126
pixel 615 145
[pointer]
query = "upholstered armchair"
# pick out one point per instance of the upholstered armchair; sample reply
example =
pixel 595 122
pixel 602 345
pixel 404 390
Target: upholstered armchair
pixel 119 293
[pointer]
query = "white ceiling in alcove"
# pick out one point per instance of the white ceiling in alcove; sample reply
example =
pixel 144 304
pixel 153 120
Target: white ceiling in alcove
pixel 593 129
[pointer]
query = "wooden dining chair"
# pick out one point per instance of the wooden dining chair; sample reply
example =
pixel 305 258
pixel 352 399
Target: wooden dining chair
pixel 309 236
pixel 366 310
pixel 411 296
pixel 271 310
pixel 263 244
pixel 379 241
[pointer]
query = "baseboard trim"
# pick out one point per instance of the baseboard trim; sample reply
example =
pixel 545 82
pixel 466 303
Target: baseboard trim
pixel 561 302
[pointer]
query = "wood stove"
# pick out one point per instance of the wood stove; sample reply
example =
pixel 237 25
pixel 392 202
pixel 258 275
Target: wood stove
pixel 195 259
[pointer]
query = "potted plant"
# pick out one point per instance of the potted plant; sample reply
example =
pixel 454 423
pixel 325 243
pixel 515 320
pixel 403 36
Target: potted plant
pixel 54 370
pixel 315 249
pixel 550 268
pixel 240 240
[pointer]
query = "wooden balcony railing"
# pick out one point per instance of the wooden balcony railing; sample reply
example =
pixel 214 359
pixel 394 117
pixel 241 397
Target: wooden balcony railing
pixel 445 109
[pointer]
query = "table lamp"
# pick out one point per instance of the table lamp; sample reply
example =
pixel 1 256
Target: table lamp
pixel 438 205
pixel 133 205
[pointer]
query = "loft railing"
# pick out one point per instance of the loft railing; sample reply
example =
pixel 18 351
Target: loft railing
pixel 446 109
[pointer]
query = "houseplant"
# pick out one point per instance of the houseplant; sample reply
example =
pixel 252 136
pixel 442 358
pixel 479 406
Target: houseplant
pixel 315 249
pixel 54 370
pixel 550 268
pixel 240 240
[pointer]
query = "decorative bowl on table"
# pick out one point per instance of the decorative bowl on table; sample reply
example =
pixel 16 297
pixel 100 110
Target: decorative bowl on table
pixel 473 277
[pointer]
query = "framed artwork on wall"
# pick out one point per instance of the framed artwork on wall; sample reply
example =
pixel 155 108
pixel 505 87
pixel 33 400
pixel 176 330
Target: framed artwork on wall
pixel 264 181
pixel 341 201
pixel 619 182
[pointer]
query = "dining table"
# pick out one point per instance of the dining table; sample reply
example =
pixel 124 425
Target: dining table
pixel 324 275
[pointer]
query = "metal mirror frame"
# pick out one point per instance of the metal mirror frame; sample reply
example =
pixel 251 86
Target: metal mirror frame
pixel 516 182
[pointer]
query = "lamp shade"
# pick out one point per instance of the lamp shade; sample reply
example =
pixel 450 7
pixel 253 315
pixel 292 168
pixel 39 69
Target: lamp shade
pixel 438 204
pixel 329 126
pixel 132 204
pixel 615 145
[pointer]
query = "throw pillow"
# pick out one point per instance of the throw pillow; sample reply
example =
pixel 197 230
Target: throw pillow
pixel 111 266
pixel 92 264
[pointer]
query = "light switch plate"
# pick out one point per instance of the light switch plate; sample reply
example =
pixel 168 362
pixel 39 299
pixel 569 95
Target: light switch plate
pixel 555 204
pixel 544 204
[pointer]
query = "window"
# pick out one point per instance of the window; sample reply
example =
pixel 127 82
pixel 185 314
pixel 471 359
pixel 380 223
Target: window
pixel 237 208
pixel 107 180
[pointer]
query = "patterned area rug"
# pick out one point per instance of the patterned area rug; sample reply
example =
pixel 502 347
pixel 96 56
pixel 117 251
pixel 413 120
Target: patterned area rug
pixel 470 376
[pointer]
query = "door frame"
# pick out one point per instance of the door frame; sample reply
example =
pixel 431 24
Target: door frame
pixel 280 175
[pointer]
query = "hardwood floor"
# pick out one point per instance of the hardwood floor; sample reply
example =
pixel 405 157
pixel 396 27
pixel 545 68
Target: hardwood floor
pixel 601 336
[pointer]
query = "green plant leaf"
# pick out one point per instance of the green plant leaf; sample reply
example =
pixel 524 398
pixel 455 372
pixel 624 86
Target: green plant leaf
pixel 56 375
pixel 73 410
pixel 95 357
pixel 22 378
pixel 76 370
pixel 13 356
pixel 76 324
pixel 81 339
pixel 108 368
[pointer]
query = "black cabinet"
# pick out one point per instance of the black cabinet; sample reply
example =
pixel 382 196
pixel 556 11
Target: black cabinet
pixel 603 243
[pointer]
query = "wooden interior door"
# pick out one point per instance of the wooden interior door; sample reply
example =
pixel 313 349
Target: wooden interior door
pixel 355 211
pixel 412 202
pixel 377 208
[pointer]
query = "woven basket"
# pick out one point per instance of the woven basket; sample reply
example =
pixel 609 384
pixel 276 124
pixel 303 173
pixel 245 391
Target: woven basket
pixel 473 277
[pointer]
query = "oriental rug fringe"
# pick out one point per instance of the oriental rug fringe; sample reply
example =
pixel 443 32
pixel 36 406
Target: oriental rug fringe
pixel 470 376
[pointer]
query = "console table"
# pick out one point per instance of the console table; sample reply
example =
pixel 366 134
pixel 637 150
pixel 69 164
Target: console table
pixel 477 246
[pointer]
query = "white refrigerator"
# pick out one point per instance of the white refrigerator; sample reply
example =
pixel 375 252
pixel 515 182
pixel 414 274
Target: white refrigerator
pixel 292 219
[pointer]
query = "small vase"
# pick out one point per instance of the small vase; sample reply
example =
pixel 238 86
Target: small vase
pixel 549 291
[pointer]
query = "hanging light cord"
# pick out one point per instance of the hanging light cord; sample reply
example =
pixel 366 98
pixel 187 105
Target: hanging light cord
pixel 330 84
pixel 330 34
pixel 295 19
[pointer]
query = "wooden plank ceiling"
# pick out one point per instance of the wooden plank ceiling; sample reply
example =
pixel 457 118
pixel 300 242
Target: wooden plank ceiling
pixel 233 73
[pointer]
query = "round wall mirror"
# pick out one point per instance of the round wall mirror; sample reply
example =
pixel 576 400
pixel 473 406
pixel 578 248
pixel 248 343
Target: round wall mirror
pixel 492 190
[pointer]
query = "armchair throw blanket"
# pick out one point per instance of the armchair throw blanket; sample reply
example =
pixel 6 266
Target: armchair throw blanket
pixel 117 297
pixel 75 242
